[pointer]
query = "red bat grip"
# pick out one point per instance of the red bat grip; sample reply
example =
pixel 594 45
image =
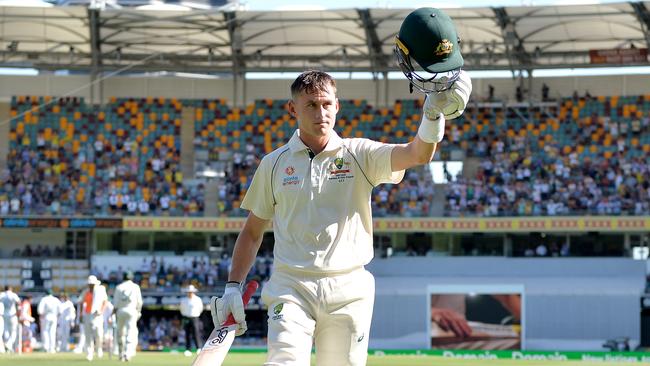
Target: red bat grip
pixel 251 287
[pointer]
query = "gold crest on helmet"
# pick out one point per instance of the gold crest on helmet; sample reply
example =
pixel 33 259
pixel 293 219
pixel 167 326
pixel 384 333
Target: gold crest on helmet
pixel 444 48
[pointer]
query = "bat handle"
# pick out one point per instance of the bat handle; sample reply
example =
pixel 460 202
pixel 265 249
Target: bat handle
pixel 251 287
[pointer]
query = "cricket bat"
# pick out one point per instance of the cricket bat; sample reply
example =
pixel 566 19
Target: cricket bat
pixel 216 348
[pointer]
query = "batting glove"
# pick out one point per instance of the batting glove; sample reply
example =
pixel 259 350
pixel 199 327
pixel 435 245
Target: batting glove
pixel 451 102
pixel 230 303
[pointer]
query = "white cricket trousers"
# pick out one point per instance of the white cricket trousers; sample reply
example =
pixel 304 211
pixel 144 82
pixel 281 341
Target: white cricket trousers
pixel 94 331
pixel 48 335
pixel 63 336
pixel 329 311
pixel 11 332
pixel 2 334
pixel 127 332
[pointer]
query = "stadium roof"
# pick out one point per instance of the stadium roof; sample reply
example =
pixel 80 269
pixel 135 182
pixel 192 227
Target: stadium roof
pixel 83 39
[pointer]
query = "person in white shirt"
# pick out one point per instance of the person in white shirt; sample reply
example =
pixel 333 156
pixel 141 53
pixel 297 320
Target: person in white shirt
pixel 191 309
pixel 67 315
pixel 11 302
pixel 109 328
pixel 15 205
pixel 128 308
pixel 93 302
pixel 2 327
pixel 48 311
pixel 317 191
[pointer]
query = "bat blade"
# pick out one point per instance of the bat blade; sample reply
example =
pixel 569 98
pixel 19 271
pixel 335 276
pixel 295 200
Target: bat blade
pixel 216 348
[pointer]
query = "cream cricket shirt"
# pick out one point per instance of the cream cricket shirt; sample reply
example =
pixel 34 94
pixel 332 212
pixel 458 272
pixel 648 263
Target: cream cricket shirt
pixel 320 207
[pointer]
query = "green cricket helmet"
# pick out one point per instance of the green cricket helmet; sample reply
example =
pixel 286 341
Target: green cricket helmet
pixel 429 37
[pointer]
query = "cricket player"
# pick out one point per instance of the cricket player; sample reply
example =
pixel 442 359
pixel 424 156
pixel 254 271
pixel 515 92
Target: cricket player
pixel 2 327
pixel 109 328
pixel 25 319
pixel 128 308
pixel 94 299
pixel 11 302
pixel 48 311
pixel 67 315
pixel 317 190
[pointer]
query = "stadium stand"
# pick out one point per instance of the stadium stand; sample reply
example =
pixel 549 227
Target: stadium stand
pixel 123 158
pixel 164 272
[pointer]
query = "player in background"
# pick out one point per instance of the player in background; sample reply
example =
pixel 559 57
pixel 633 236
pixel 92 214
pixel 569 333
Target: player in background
pixel 26 320
pixel 93 303
pixel 48 312
pixel 109 329
pixel 67 315
pixel 128 309
pixel 11 301
pixel 2 327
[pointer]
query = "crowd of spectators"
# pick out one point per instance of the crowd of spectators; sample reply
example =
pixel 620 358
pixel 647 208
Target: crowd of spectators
pixel 513 185
pixel 156 275
pixel 411 198
pixel 515 179
pixel 237 181
pixel 32 184
pixel 164 332
pixel 40 251
pixel 534 173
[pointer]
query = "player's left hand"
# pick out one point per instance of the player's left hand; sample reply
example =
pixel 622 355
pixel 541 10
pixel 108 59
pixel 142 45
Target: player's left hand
pixel 451 102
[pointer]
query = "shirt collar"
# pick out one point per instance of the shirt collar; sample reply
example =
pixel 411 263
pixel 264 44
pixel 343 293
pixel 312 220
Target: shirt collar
pixel 295 143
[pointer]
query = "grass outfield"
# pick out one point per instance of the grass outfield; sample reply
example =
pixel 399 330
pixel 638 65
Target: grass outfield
pixel 256 359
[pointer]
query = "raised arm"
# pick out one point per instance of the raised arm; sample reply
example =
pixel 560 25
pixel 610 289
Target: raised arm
pixel 438 107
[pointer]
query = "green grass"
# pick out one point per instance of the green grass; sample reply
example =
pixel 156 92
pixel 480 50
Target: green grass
pixel 256 359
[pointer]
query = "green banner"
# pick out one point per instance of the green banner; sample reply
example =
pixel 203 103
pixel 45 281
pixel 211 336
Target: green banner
pixel 491 355
pixel 524 355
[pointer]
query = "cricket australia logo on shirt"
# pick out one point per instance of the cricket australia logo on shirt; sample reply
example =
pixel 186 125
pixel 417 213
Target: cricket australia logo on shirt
pixel 291 179
pixel 339 170
pixel 277 309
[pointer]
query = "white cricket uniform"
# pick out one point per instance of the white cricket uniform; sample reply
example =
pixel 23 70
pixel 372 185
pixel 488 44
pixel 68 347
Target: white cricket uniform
pixel 11 301
pixel 109 323
pixel 93 322
pixel 67 315
pixel 48 311
pixel 322 222
pixel 128 302
pixel 79 347
pixel 2 327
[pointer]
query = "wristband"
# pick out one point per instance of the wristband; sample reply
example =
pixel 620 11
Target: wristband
pixel 232 288
pixel 430 131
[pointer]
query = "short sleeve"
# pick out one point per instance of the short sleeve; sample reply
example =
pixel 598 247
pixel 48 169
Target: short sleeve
pixel 259 197
pixel 376 157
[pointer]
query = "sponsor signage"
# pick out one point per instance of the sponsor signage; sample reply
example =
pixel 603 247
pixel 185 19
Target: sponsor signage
pixel 618 56
pixel 60 223
pixel 600 357
pixel 397 224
